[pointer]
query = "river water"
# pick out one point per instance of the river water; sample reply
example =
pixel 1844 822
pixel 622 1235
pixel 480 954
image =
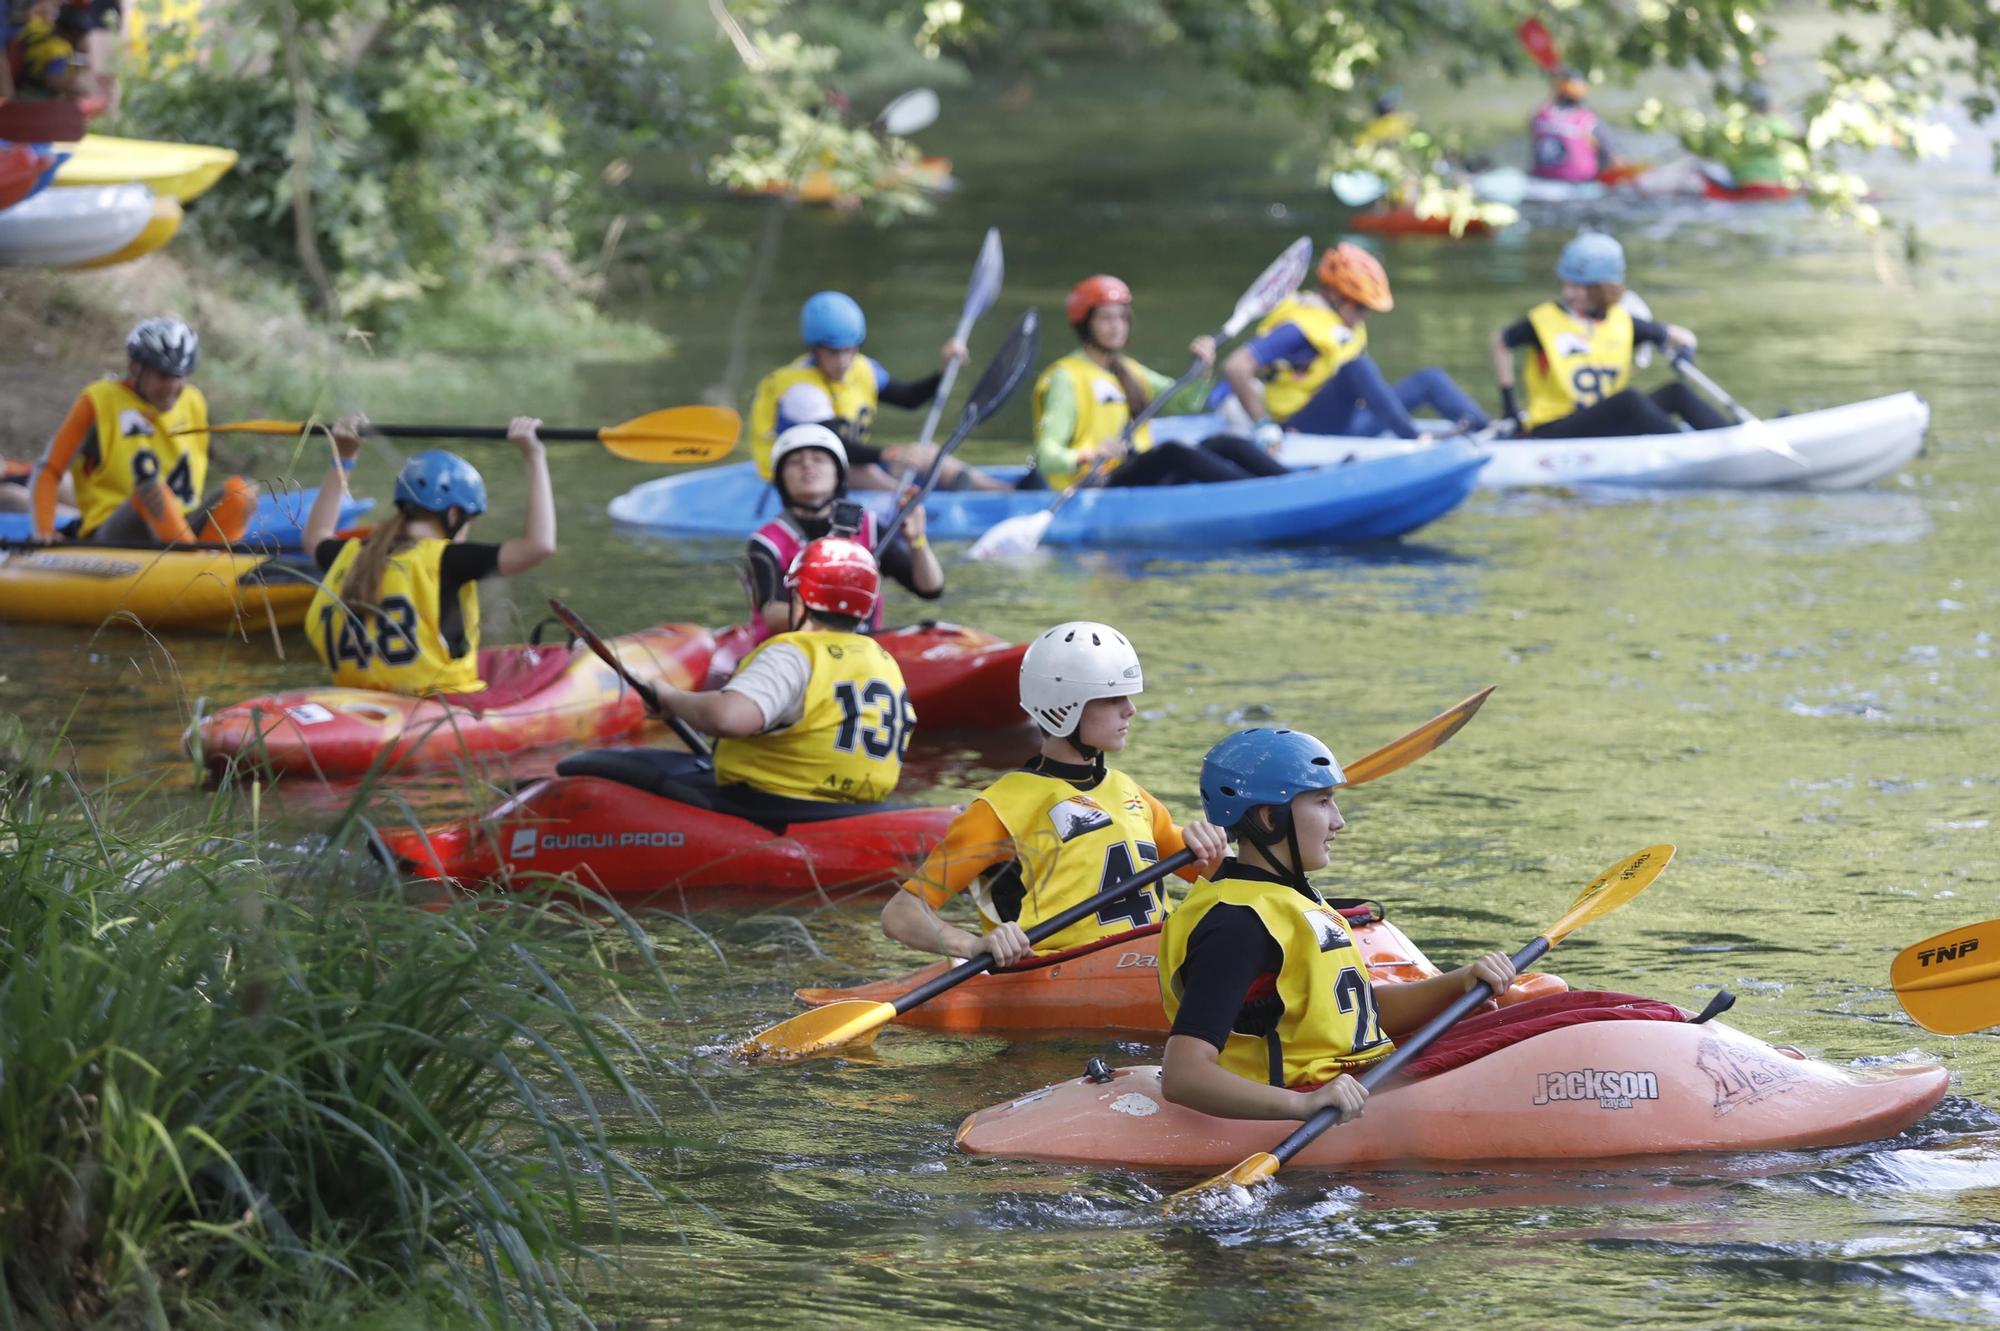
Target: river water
pixel 1798 690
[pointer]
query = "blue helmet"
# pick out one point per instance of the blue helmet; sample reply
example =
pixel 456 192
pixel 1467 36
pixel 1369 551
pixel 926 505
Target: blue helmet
pixel 1591 258
pixel 832 319
pixel 437 480
pixel 1263 766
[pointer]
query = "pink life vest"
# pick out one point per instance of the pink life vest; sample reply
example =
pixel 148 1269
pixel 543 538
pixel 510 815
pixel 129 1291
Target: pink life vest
pixel 784 540
pixel 1564 142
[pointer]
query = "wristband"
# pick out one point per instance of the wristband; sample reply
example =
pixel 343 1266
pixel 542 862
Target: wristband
pixel 920 542
pixel 346 464
pixel 1507 407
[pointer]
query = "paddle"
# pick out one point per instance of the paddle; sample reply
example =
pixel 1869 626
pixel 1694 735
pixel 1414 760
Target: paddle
pixel 1540 46
pixel 855 1021
pixel 1002 374
pixel 915 110
pixel 673 436
pixel 1020 534
pixel 988 271
pixel 1758 432
pixel 696 744
pixel 1606 893
pixel 1951 983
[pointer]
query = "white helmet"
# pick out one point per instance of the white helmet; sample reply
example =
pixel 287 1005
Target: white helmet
pixel 1071 664
pixel 805 404
pixel 807 436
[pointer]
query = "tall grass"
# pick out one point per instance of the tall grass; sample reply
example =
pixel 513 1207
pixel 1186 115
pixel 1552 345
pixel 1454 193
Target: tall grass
pixel 236 1081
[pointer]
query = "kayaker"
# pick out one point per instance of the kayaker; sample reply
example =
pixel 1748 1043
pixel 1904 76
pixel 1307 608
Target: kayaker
pixel 1083 401
pixel 833 327
pixel 1566 139
pixel 1060 829
pixel 1270 1001
pixel 137 449
pixel 1580 369
pixel 399 610
pixel 49 64
pixel 820 711
pixel 1308 367
pixel 809 465
pixel 1758 158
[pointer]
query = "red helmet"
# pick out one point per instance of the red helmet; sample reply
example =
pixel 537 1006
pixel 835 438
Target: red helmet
pixel 1092 292
pixel 836 576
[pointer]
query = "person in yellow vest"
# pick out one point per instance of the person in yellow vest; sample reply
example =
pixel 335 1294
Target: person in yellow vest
pixel 819 712
pixel 137 450
pixel 399 610
pixel 1580 363
pixel 1083 401
pixel 1308 369
pixel 1059 830
pixel 1269 1000
pixel 833 327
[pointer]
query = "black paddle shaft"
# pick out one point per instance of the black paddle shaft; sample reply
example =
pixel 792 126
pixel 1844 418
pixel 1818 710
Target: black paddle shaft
pixel 556 433
pixel 1048 928
pixel 589 638
pixel 1406 1050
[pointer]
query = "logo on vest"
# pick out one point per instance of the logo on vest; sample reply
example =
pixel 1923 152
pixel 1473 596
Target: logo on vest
pixel 1077 816
pixel 1327 928
pixel 132 423
pixel 1570 344
pixel 1611 1090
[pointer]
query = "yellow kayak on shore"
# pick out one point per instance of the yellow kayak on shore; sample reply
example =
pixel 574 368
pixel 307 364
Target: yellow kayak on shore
pixel 181 170
pixel 87 585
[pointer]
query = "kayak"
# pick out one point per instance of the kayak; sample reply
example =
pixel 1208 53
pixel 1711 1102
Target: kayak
pixel 931 175
pixel 1376 500
pixel 41 120
pixel 59 228
pixel 1751 193
pixel 1113 984
pixel 1403 220
pixel 1600 1090
pixel 151 589
pixel 21 172
pixel 275 527
pixel 534 696
pixel 159 229
pixel 631 824
pixel 184 171
pixel 958 678
pixel 1844 447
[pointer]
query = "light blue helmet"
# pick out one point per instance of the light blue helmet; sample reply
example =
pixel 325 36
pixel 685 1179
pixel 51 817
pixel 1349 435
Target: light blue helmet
pixel 832 319
pixel 1263 766
pixel 435 481
pixel 1591 258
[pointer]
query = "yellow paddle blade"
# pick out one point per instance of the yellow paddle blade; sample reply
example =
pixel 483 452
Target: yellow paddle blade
pixel 1610 890
pixel 1950 983
pixel 678 434
pixel 853 1021
pixel 1400 753
pixel 1241 1175
pixel 248 427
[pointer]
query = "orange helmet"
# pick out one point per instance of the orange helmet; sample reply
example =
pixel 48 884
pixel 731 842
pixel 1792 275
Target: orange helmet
pixel 1092 292
pixel 1356 274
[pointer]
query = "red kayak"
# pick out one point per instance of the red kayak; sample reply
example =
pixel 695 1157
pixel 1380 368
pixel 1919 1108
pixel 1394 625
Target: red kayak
pixel 959 678
pixel 535 696
pixel 21 172
pixel 1747 193
pixel 644 826
pixel 1402 220
pixel 49 120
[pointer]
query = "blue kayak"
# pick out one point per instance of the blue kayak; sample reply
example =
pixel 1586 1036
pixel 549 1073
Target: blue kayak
pixel 1362 501
pixel 276 524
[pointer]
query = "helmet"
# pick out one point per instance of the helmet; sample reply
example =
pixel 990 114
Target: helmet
pixel 1354 273
pixel 832 319
pixel 436 481
pixel 806 436
pixel 1757 95
pixel 836 576
pixel 166 345
pixel 805 404
pixel 1070 665
pixel 1263 766
pixel 1092 292
pixel 1572 85
pixel 1591 258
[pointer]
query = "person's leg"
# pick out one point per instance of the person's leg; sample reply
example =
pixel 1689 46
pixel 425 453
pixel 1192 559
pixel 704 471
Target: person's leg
pixel 1431 389
pixel 1174 464
pixel 1356 401
pixel 1689 405
pixel 1244 454
pixel 151 517
pixel 1628 413
pixel 225 513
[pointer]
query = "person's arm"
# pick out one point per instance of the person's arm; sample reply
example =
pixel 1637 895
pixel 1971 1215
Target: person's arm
pixel 975 842
pixel 56 459
pixel 1193 397
pixel 1674 338
pixel 323 518
pixel 767 692
pixel 1285 343
pixel 910 559
pixel 916 392
pixel 1504 342
pixel 1209 842
pixel 767 587
pixel 538 541
pixel 1404 1007
pixel 1054 428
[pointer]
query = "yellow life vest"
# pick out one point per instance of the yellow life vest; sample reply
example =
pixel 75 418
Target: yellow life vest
pixel 848 745
pixel 1581 362
pixel 1101 408
pixel 854 400
pixel 1334 343
pixel 136 443
pixel 396 645
pixel 1328 1024
pixel 41 48
pixel 1069 845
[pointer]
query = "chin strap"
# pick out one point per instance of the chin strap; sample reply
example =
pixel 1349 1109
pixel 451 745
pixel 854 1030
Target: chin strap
pixel 1268 841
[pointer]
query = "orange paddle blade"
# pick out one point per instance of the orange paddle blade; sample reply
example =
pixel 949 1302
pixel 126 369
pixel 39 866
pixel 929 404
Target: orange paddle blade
pixel 1950 983
pixel 853 1021
pixel 676 435
pixel 1610 890
pixel 1243 1174
pixel 1400 753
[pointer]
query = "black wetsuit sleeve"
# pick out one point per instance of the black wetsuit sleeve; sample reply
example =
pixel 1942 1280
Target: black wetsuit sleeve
pixel 1520 333
pixel 899 563
pixel 1646 330
pixel 1228 951
pixel 465 563
pixel 916 393
pixel 327 551
pixel 767 580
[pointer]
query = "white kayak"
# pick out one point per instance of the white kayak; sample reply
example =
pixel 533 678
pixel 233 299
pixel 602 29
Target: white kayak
pixel 60 227
pixel 1842 448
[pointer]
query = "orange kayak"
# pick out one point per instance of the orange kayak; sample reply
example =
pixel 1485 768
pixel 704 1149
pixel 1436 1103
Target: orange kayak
pixel 1402 220
pixel 1113 984
pixel 1596 1091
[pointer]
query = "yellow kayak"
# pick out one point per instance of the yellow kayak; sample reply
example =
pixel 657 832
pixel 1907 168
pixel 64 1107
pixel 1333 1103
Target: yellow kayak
pixel 159 229
pixel 183 170
pixel 154 589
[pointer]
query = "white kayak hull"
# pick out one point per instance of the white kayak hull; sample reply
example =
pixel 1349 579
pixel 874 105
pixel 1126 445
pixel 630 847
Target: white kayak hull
pixel 61 227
